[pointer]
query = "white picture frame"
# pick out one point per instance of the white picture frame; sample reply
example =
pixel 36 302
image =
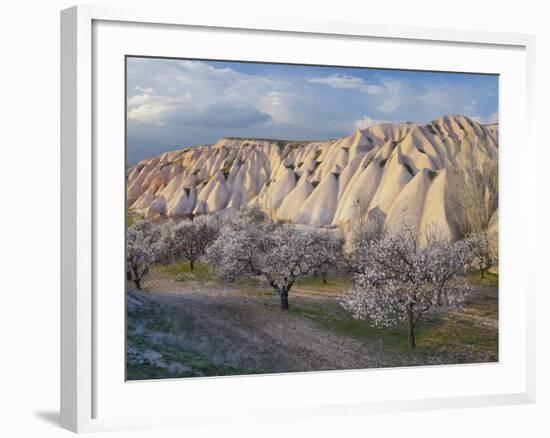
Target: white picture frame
pixel 81 194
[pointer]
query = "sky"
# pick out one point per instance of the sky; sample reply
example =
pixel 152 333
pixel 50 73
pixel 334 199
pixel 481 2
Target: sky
pixel 176 103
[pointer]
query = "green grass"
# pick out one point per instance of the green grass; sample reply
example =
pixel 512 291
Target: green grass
pixel 151 332
pixel 313 285
pixel 489 280
pixel 184 363
pixel 131 219
pixel 450 338
pixel 341 322
pixel 455 337
pixel 461 335
pixel 468 335
pixel 330 315
pixel 182 271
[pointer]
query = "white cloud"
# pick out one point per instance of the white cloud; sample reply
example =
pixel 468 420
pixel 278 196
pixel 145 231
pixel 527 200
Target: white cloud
pixel 280 105
pixel 193 92
pixel 177 102
pixel 471 107
pixel 155 109
pixel 345 82
pixel 362 123
pixel 163 110
pixel 388 94
pixel 486 120
pixel 145 90
pixel 366 122
pixel 394 97
pixel 436 96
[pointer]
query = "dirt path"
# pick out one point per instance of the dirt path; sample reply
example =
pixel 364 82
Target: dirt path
pixel 250 331
pixel 194 326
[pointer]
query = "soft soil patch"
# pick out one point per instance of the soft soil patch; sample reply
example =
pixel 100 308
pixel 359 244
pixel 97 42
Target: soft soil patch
pixel 188 323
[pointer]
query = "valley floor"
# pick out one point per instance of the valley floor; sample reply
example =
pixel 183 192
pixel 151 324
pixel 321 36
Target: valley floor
pixel 184 324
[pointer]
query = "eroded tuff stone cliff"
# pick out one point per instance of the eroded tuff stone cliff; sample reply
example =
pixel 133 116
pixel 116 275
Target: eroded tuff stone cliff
pixel 392 170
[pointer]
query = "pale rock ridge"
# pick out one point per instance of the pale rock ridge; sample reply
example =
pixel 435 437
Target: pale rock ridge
pixel 182 203
pixel 390 169
pixel 357 197
pixel 437 204
pixel 319 207
pixel 396 176
pixel 292 203
pixel 407 209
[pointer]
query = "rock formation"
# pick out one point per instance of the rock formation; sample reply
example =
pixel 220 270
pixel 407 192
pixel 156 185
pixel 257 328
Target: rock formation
pixel 396 170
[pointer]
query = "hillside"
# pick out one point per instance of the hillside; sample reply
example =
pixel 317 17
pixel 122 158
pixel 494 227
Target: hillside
pixel 391 170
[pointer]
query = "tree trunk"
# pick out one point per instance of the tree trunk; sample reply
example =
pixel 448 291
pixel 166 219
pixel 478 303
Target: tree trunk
pixel 410 328
pixel 137 283
pixel 482 273
pixel 325 277
pixel 191 264
pixel 283 294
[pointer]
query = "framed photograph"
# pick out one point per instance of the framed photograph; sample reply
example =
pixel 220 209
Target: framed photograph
pixel 266 218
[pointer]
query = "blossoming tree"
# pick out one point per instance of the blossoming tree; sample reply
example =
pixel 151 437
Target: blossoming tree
pixel 188 239
pixel 278 253
pixel 142 250
pixel 400 280
pixel 483 245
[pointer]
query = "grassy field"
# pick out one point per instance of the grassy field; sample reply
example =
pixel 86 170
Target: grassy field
pixel 187 323
pixel 155 349
pixel 132 218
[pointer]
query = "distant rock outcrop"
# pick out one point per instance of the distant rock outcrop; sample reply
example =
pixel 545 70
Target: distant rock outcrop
pixel 395 170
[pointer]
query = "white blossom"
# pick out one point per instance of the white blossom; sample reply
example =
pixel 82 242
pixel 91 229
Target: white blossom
pixel 279 253
pixel 399 280
pixel 483 245
pixel 188 239
pixel 142 250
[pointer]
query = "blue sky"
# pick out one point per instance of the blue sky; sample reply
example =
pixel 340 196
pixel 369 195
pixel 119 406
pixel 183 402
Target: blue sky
pixel 174 103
